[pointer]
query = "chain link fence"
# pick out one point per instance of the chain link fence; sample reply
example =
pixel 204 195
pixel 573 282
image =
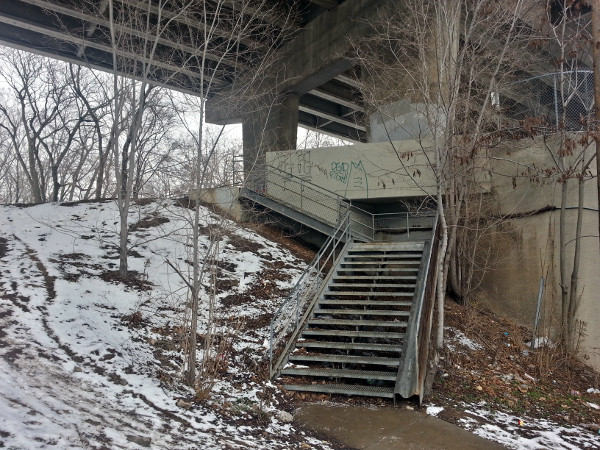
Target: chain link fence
pixel 560 100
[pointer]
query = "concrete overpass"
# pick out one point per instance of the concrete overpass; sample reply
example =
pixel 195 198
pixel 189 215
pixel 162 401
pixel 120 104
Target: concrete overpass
pixel 314 75
pixel 316 84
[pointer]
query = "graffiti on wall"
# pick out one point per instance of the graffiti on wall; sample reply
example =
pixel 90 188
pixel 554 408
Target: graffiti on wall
pixel 352 174
pixel 296 163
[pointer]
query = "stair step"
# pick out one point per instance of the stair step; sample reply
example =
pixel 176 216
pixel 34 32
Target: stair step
pixel 357 323
pixel 398 246
pixel 380 263
pixel 366 391
pixel 341 373
pixel 362 346
pixel 378 269
pixel 364 302
pixel 362 312
pixel 353 334
pixel 346 359
pixel 365 285
pixel 375 278
pixel 370 294
pixel 384 258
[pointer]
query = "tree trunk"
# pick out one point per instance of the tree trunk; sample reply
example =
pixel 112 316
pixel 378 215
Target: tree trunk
pixel 36 190
pixel 562 239
pixel 573 300
pixel 596 56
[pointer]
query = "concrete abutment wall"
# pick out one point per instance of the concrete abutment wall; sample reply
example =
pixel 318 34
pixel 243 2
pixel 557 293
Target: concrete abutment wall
pixel 524 245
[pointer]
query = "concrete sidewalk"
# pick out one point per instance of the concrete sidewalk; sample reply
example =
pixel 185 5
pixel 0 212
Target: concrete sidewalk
pixel 387 428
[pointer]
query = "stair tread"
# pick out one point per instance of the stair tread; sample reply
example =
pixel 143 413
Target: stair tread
pixel 370 294
pixel 366 285
pixel 350 359
pixel 364 302
pixel 358 323
pixel 379 269
pixel 367 391
pixel 385 257
pixel 375 277
pixel 354 334
pixel 341 373
pixel 361 346
pixel 388 246
pixel 384 263
pixel 362 312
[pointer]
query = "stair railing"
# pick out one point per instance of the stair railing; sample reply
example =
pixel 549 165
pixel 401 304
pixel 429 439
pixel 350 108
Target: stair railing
pixel 298 194
pixel 413 370
pixel 373 227
pixel 328 207
pixel 292 313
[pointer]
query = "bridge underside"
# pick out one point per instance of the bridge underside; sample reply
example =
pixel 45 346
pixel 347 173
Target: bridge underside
pixel 322 91
pixel 184 43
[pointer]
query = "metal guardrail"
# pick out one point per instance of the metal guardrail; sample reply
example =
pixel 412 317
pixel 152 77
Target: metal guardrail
pixel 412 373
pixel 299 194
pixel 329 207
pixel 376 227
pixel 290 316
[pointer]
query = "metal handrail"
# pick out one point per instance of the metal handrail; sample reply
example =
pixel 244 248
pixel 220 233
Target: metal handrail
pixel 298 302
pixel 327 206
pixel 298 194
pixel 411 374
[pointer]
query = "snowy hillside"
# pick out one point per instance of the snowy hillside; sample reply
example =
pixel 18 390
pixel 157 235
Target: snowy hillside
pixel 90 361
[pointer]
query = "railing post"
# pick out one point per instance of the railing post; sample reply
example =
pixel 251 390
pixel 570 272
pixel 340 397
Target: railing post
pixel 271 350
pixel 373 226
pixel 407 226
pixel 301 194
pixel 297 307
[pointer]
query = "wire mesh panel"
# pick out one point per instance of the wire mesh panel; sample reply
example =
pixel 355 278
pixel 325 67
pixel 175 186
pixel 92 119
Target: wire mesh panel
pixel 558 100
pixel 297 194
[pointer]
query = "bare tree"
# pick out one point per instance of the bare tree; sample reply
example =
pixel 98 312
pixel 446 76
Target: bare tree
pixel 234 25
pixel 130 97
pixel 566 31
pixel 29 118
pixel 44 116
pixel 446 60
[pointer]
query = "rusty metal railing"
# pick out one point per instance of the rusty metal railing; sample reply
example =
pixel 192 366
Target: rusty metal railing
pixel 413 371
pixel 290 316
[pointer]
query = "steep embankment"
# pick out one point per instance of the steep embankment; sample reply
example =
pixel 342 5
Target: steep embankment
pixel 90 360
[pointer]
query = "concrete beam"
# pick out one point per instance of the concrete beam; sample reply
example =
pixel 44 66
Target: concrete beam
pixel 325 40
pixel 318 52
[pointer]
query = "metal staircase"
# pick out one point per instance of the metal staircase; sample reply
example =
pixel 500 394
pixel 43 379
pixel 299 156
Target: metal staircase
pixel 354 338
pixel 358 320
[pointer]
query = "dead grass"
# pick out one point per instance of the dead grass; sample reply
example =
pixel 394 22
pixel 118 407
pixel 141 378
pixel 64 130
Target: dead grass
pixel 544 383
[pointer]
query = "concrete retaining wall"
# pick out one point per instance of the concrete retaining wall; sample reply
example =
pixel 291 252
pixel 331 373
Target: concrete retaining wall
pixel 363 171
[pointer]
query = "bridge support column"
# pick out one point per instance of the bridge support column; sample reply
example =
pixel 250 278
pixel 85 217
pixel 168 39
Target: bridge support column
pixel 272 128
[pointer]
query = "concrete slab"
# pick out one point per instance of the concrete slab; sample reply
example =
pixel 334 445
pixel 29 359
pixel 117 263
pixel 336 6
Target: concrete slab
pixel 387 428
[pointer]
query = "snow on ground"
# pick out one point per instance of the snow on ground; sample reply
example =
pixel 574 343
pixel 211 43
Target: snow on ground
pixel 520 432
pixel 456 340
pixel 78 348
pixel 524 432
pixel 89 362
